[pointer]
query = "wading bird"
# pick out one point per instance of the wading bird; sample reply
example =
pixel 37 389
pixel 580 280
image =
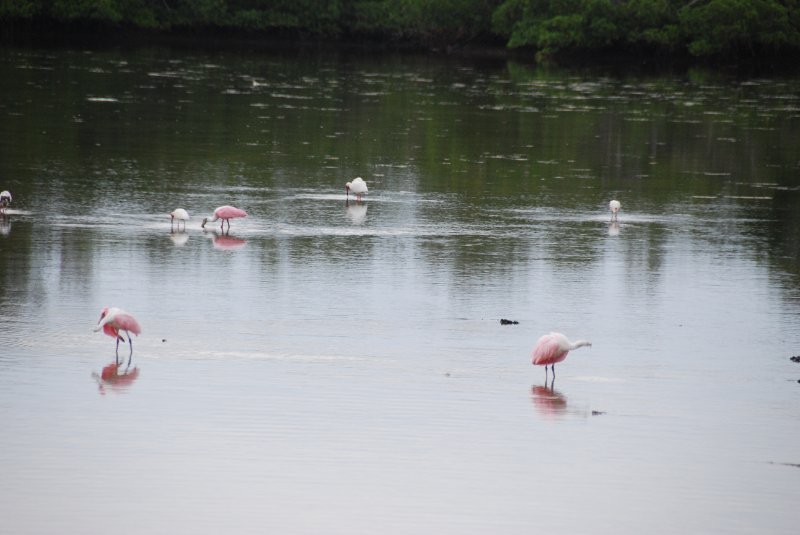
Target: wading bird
pixel 5 200
pixel 357 186
pixel 112 321
pixel 181 215
pixel 225 213
pixel 552 348
pixel 614 206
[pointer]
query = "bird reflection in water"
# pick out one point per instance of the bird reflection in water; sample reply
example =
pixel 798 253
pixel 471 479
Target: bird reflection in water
pixel 548 401
pixel 357 212
pixel 613 228
pixel 226 242
pixel 5 224
pixel 111 378
pixel 179 238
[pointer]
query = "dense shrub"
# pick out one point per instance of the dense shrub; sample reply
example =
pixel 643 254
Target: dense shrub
pixel 704 28
pixel 699 27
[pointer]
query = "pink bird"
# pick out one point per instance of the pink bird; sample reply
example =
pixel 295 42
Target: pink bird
pixel 112 321
pixel 225 213
pixel 552 348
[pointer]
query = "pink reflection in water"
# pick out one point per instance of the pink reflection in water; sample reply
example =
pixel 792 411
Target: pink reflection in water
pixel 113 379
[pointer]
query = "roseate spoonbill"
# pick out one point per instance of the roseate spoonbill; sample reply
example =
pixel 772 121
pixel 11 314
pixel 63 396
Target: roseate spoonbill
pixel 357 186
pixel 225 213
pixel 552 348
pixel 614 206
pixel 112 321
pixel 5 200
pixel 181 215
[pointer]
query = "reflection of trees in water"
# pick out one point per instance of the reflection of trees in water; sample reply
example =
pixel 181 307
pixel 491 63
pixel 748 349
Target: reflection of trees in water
pixel 491 137
pixel 782 231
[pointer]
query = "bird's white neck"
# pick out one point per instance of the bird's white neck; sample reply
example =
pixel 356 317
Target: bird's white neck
pixel 580 343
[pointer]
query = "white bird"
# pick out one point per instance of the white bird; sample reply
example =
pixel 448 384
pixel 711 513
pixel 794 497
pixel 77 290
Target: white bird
pixel 181 215
pixel 357 186
pixel 614 206
pixel 5 200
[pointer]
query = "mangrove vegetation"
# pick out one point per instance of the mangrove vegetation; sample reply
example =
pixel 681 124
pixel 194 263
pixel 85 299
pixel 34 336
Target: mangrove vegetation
pixel 667 28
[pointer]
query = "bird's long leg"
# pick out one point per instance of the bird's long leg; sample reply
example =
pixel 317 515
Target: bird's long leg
pixel 116 360
pixel 554 372
pixel 130 342
pixel 545 375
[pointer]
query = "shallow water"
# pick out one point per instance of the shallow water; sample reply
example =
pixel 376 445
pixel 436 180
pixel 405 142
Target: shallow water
pixel 341 367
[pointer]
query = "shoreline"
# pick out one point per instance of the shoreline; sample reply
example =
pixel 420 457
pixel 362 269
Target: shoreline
pixel 53 34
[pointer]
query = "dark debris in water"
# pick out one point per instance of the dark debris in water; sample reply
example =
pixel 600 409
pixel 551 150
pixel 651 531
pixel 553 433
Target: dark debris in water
pixel 597 413
pixel 508 322
pixel 794 465
pixel 795 358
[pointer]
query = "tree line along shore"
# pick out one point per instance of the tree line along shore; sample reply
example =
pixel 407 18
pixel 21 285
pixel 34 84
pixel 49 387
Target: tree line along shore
pixel 702 29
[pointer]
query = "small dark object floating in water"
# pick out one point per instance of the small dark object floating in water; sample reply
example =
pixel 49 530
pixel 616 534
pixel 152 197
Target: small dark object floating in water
pixel 795 359
pixel 508 322
pixel 597 413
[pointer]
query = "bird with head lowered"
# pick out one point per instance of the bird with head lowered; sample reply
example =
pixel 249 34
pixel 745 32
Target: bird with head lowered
pixel 552 348
pixel 112 321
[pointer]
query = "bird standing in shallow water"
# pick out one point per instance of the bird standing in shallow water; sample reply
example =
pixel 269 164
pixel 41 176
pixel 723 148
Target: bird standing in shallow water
pixel 614 206
pixel 181 215
pixel 225 213
pixel 357 186
pixel 112 321
pixel 552 348
pixel 5 200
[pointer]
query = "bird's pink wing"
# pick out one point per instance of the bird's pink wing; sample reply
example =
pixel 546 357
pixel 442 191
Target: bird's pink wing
pixel 227 212
pixel 547 351
pixel 110 331
pixel 127 322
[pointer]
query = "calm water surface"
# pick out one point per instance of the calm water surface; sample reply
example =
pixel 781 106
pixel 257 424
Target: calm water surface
pixel 335 367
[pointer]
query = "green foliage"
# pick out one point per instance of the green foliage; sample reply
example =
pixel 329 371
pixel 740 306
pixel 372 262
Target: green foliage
pixel 422 20
pixel 19 9
pixel 703 28
pixel 556 25
pixel 700 27
pixel 724 26
pixel 91 10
